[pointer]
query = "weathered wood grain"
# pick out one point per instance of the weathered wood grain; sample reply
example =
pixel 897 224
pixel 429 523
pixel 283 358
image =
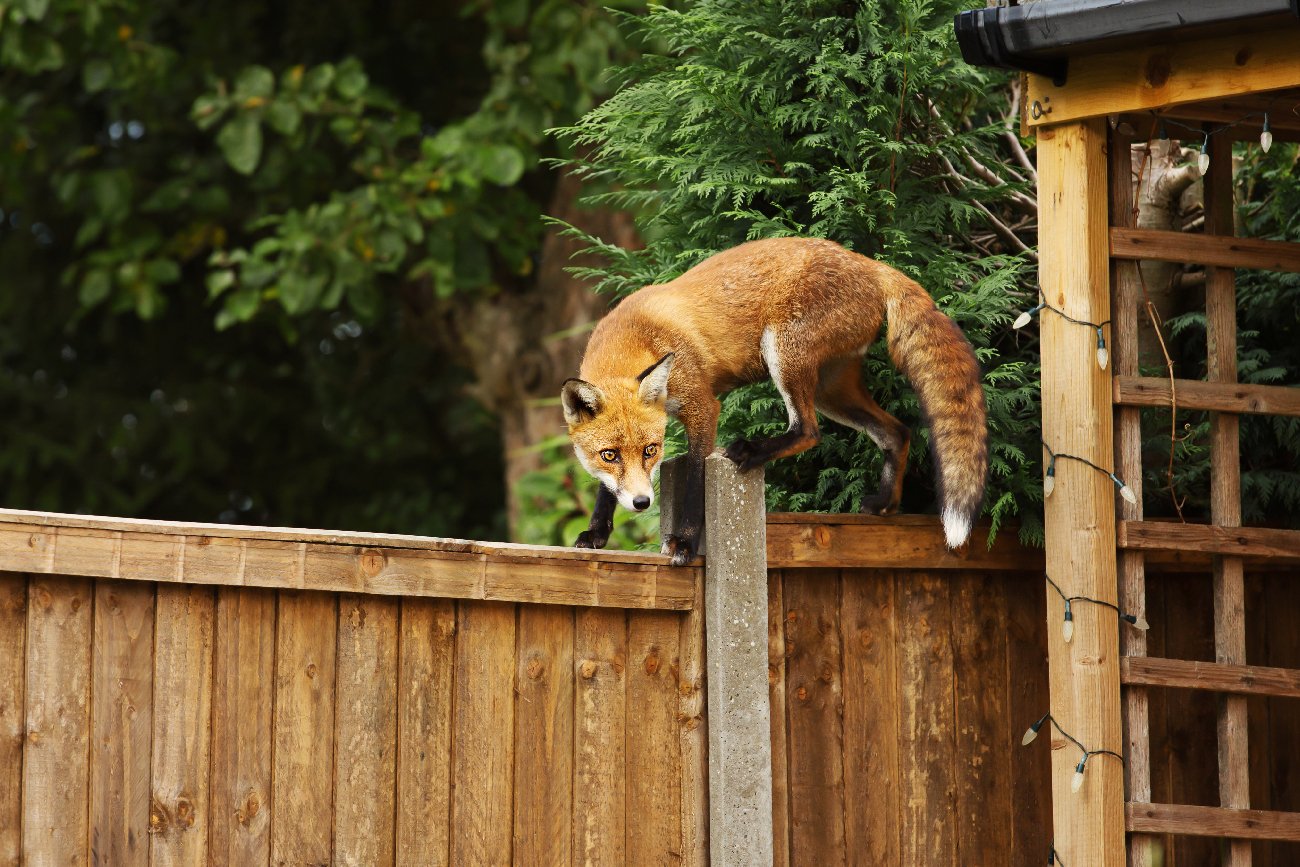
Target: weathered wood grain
pixel 1219 250
pixel 1158 74
pixel 122 714
pixel 1143 391
pixel 776 681
pixel 428 645
pixel 1027 700
pixel 869 620
pixel 365 731
pixel 13 656
pixel 814 707
pixel 302 786
pixel 243 697
pixel 693 737
pixel 600 715
pixel 898 542
pixel 653 751
pixel 1214 822
pixel 182 726
pixel 543 797
pixel 56 761
pixel 927 717
pixel 983 744
pixel 482 732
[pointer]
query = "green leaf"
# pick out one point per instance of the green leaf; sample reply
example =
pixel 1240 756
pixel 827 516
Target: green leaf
pixel 240 141
pixel 351 81
pixel 284 117
pixel 36 9
pixel 220 281
pixel 299 292
pixel 95 287
pixel 208 109
pixel 501 164
pixel 318 78
pixel 254 81
pixel 96 74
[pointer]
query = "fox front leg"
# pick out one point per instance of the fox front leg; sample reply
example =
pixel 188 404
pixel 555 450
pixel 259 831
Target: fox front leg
pixel 683 542
pixel 602 521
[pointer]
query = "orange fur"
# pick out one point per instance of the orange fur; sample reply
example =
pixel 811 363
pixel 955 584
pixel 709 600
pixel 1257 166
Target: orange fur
pixel 801 311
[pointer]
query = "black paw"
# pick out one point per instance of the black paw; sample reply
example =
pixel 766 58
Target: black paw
pixel 879 504
pixel 591 539
pixel 744 454
pixel 681 550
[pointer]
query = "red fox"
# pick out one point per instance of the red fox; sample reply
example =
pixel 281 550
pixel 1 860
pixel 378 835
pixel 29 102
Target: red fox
pixel 801 311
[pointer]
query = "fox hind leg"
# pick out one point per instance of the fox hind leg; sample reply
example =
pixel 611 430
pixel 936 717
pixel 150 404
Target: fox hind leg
pixel 796 380
pixel 842 397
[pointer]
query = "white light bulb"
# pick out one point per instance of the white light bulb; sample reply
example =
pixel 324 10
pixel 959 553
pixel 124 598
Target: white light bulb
pixel 1022 320
pixel 1141 623
pixel 1266 140
pixel 1030 734
pixel 1127 493
pixel 1203 162
pixel 1077 783
pixel 1049 484
pixel 1067 630
pixel 1102 357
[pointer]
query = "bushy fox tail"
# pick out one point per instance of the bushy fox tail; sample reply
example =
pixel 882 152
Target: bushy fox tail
pixel 937 359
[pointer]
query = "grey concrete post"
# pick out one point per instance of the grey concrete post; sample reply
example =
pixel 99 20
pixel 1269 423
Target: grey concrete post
pixel 735 619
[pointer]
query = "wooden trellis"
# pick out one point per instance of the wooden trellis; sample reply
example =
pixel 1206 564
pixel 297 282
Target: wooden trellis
pixel 1096 543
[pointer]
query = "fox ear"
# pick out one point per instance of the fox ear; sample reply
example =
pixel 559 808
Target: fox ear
pixel 581 400
pixel 654 381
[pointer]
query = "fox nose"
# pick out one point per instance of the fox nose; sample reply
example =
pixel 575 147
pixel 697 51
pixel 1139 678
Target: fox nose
pixel 641 503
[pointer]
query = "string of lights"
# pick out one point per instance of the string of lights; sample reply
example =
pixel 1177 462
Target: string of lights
pixel 1049 481
pixel 1076 782
pixel 1067 627
pixel 1103 356
pixel 1203 160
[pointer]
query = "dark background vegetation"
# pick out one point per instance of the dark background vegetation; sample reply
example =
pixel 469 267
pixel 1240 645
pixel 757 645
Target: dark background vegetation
pixel 287 263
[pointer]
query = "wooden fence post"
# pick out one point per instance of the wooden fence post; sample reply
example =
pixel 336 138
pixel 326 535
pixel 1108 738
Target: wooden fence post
pixel 735 619
pixel 1079 518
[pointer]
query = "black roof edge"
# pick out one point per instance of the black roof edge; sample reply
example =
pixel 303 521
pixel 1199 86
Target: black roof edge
pixel 1041 37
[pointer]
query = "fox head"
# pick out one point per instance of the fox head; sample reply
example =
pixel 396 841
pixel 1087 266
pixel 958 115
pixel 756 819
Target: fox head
pixel 618 430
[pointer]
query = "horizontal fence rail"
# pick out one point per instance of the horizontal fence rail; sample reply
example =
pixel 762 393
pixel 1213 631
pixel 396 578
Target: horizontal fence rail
pixel 1223 251
pixel 340 562
pixel 1216 396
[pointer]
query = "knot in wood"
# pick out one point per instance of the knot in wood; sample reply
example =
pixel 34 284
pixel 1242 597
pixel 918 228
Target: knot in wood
pixel 801 693
pixel 373 562
pixel 311 670
pixel 535 668
pixel 822 536
pixel 652 663
pixel 587 669
pixel 251 807
pixel 185 812
pixel 157 817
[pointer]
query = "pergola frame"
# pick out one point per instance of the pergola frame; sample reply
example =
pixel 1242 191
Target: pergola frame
pixel 1094 541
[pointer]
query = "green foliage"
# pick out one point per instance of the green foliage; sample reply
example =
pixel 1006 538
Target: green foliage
pixel 1268 353
pixel 834 120
pixel 292 169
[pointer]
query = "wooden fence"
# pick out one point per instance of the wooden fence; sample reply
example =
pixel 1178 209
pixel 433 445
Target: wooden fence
pixel 338 698
pixel 382 705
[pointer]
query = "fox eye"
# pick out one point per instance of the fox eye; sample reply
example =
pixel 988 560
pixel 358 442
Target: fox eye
pixel 610 456
pixel 652 450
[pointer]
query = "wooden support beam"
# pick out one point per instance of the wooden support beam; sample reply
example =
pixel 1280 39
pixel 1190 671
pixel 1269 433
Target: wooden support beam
pixel 1126 287
pixel 1158 75
pixel 1223 251
pixel 1079 518
pixel 803 540
pixel 1264 542
pixel 1225 493
pixel 1211 676
pixel 1217 396
pixel 1213 822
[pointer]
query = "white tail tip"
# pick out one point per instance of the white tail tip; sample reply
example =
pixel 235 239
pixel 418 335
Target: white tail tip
pixel 956 527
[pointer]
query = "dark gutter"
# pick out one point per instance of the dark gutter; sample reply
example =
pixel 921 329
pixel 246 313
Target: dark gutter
pixel 1040 36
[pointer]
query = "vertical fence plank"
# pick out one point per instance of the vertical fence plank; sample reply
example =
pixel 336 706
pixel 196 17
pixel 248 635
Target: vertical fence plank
pixel 482 758
pixel 544 736
pixel 693 736
pixel 242 711
pixel 984 741
pixel 178 817
pixel 122 713
pixel 927 734
pixel 302 804
pixel 1026 679
pixel 870 625
pixel 365 731
pixel 13 653
pixel 56 769
pixel 814 704
pixel 1225 493
pixel 653 752
pixel 428 644
pixel 600 707
pixel 776 690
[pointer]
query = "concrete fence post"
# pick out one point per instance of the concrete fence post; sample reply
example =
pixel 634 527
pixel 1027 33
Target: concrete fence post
pixel 735 619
